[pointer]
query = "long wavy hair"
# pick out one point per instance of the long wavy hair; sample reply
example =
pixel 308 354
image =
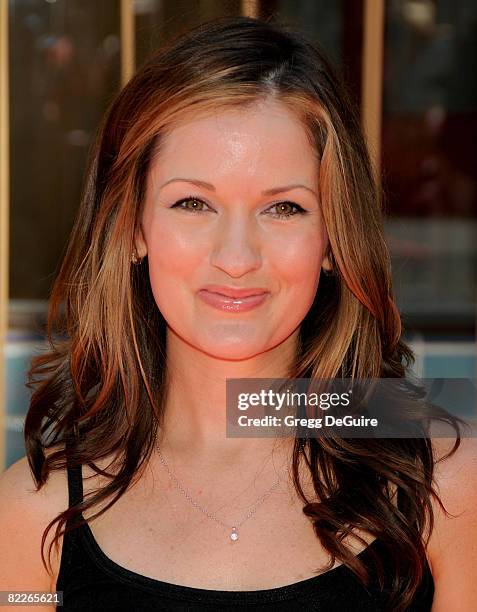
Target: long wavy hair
pixel 102 382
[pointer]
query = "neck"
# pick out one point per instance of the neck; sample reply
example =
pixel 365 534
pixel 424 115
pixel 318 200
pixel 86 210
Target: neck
pixel 194 421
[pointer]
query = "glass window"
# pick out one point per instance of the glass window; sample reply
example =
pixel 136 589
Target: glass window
pixel 64 67
pixel 429 162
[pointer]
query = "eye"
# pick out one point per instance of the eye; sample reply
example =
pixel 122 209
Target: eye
pixel 284 209
pixel 196 204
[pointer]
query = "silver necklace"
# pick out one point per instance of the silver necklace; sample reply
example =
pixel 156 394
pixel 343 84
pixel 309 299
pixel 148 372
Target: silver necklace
pixel 232 528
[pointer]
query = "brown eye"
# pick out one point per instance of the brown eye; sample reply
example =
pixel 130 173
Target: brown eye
pixel 196 204
pixel 287 209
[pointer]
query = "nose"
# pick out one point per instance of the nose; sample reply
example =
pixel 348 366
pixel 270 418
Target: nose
pixel 235 245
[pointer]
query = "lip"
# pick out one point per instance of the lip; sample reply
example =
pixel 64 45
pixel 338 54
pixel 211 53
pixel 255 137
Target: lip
pixel 232 304
pixel 235 292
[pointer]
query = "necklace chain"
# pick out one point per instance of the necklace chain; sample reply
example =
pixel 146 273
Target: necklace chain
pixel 250 513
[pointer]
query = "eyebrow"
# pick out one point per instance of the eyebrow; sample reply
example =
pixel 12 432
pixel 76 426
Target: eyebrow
pixel 210 187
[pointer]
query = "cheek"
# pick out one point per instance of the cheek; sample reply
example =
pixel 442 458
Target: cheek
pixel 296 260
pixel 173 256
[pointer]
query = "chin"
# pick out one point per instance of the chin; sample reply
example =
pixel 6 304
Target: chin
pixel 232 352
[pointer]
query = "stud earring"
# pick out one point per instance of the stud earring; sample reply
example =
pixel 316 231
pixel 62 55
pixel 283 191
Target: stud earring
pixel 135 259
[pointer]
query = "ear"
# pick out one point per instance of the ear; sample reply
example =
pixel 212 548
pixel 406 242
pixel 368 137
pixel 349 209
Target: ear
pixel 140 243
pixel 326 262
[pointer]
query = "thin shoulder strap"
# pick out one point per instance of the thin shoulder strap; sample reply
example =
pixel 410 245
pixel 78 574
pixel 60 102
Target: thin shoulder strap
pixel 75 479
pixel 75 496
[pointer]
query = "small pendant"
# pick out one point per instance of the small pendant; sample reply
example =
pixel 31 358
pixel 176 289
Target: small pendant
pixel 234 534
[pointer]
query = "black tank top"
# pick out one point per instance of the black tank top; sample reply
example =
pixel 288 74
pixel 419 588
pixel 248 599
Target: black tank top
pixel 90 580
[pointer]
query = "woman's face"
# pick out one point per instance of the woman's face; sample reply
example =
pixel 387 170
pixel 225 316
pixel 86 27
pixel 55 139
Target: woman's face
pixel 230 232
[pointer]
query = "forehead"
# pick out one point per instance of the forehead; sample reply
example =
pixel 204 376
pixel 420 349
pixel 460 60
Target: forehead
pixel 265 138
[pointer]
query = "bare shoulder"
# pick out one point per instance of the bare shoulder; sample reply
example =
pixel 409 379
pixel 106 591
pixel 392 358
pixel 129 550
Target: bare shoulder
pixel 24 515
pixel 452 546
pixel 25 512
pixel 456 475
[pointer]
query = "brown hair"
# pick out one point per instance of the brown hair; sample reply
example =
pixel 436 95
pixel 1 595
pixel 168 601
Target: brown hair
pixel 103 376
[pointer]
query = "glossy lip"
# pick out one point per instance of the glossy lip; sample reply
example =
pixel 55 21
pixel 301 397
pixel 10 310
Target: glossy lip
pixel 234 292
pixel 232 304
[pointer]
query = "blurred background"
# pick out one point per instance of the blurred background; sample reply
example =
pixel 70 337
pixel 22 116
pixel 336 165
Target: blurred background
pixel 411 65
